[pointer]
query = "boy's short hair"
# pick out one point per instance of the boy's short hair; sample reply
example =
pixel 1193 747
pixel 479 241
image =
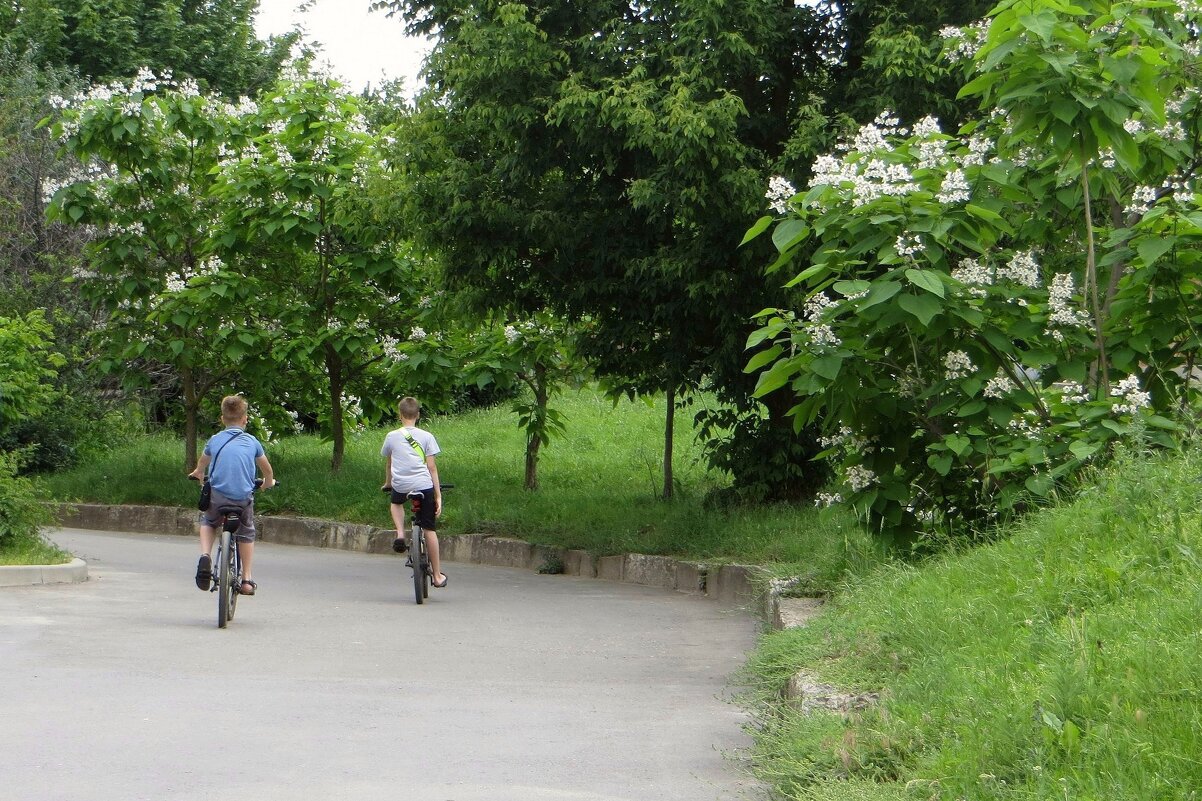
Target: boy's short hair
pixel 408 408
pixel 233 408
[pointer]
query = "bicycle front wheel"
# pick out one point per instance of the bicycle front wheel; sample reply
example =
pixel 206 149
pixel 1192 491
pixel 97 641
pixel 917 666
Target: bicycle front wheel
pixel 417 557
pixel 224 580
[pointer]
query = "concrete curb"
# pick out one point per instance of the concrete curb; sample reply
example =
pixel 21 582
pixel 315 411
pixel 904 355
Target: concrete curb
pixel 735 584
pixel 73 572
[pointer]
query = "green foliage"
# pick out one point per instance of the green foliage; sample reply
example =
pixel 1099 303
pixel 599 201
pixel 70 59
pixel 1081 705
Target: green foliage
pixel 212 42
pixel 28 366
pixel 592 161
pixel 972 301
pixel 21 513
pixel 1058 662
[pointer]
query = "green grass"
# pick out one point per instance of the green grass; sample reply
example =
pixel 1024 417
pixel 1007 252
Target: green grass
pixel 32 551
pixel 1063 662
pixel 599 488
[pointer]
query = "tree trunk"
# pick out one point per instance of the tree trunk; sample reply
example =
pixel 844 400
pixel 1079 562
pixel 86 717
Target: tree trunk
pixel 191 409
pixel 534 436
pixel 337 427
pixel 669 438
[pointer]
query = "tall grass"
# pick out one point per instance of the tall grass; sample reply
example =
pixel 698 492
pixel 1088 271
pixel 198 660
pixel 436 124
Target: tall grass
pixel 600 487
pixel 1062 662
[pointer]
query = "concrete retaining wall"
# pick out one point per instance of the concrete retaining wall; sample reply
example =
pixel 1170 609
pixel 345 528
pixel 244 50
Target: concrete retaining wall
pixel 736 584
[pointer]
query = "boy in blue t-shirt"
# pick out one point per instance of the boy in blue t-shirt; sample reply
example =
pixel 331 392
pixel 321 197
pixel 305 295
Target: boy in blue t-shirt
pixel 233 454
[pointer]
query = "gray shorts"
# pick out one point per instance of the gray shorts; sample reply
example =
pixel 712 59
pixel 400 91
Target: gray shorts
pixel 213 517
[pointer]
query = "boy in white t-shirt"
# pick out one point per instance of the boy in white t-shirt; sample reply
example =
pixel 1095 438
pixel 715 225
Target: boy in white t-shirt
pixel 409 467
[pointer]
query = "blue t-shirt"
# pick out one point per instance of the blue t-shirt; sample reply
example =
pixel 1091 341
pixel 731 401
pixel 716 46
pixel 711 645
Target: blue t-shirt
pixel 233 472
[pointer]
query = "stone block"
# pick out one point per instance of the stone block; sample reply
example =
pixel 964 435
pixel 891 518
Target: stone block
pixel 609 568
pixel 691 577
pixel 460 548
pixel 793 613
pixel 505 552
pixel 546 559
pixel 733 583
pixel 580 563
pixel 650 571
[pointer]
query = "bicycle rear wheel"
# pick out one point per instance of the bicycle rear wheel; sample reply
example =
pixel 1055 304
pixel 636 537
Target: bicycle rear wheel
pixel 235 564
pixel 224 580
pixel 417 557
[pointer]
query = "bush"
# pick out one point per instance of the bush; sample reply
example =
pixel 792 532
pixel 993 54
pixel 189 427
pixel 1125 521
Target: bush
pixel 21 516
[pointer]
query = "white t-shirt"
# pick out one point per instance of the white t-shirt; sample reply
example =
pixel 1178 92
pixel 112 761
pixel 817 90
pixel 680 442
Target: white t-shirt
pixel 409 471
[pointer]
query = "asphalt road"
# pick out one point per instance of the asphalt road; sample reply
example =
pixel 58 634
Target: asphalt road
pixel 332 685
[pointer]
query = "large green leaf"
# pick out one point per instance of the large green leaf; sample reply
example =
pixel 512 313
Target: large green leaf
pixel 789 233
pixel 926 279
pixel 924 307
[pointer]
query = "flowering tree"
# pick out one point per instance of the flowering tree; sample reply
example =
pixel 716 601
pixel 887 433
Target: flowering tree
pixel 986 312
pixel 536 353
pixel 148 149
pixel 297 210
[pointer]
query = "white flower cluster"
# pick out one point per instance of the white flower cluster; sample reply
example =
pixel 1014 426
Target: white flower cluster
pixel 418 334
pixel 908 383
pixel 1027 425
pixel 859 477
pixel 353 407
pixel 1022 269
pixel 848 440
pixel 1000 385
pixel 954 189
pixel 1133 398
pixel 1061 310
pixel 81 174
pixel 962 44
pixel 974 274
pixel 297 426
pixel 979 147
pixel 908 245
pixel 1072 392
pixel 823 337
pixel 869 178
pixel 779 193
pixel 958 365
pixel 391 347
pixel 1142 200
pixel 512 335
pixel 824 500
pixel 816 305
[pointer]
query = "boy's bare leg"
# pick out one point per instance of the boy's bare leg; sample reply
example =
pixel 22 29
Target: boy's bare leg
pixel 208 535
pixel 398 518
pixel 435 561
pixel 246 552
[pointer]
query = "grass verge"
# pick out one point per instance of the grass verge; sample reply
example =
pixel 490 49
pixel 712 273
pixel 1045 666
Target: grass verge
pixel 1061 662
pixel 599 489
pixel 32 551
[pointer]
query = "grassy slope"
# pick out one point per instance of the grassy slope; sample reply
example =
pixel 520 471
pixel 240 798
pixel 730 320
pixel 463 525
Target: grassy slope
pixel 1063 662
pixel 599 488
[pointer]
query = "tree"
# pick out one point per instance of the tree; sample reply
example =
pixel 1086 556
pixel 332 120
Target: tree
pixel 987 313
pixel 212 42
pixel 151 147
pixel 295 193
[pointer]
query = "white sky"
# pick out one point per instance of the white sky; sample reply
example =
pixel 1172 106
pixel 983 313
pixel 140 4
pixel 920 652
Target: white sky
pixel 361 45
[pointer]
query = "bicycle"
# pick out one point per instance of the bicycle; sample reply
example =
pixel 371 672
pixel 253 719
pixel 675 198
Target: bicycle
pixel 415 544
pixel 228 563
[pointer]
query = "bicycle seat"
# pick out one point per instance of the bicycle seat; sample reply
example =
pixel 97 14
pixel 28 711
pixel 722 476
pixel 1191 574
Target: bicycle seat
pixel 235 511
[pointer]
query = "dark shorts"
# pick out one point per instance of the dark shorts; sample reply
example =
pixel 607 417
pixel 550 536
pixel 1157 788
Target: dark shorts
pixel 425 514
pixel 212 516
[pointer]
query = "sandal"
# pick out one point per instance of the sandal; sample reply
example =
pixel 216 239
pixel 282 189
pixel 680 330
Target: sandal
pixel 204 572
pixel 247 582
pixel 445 579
